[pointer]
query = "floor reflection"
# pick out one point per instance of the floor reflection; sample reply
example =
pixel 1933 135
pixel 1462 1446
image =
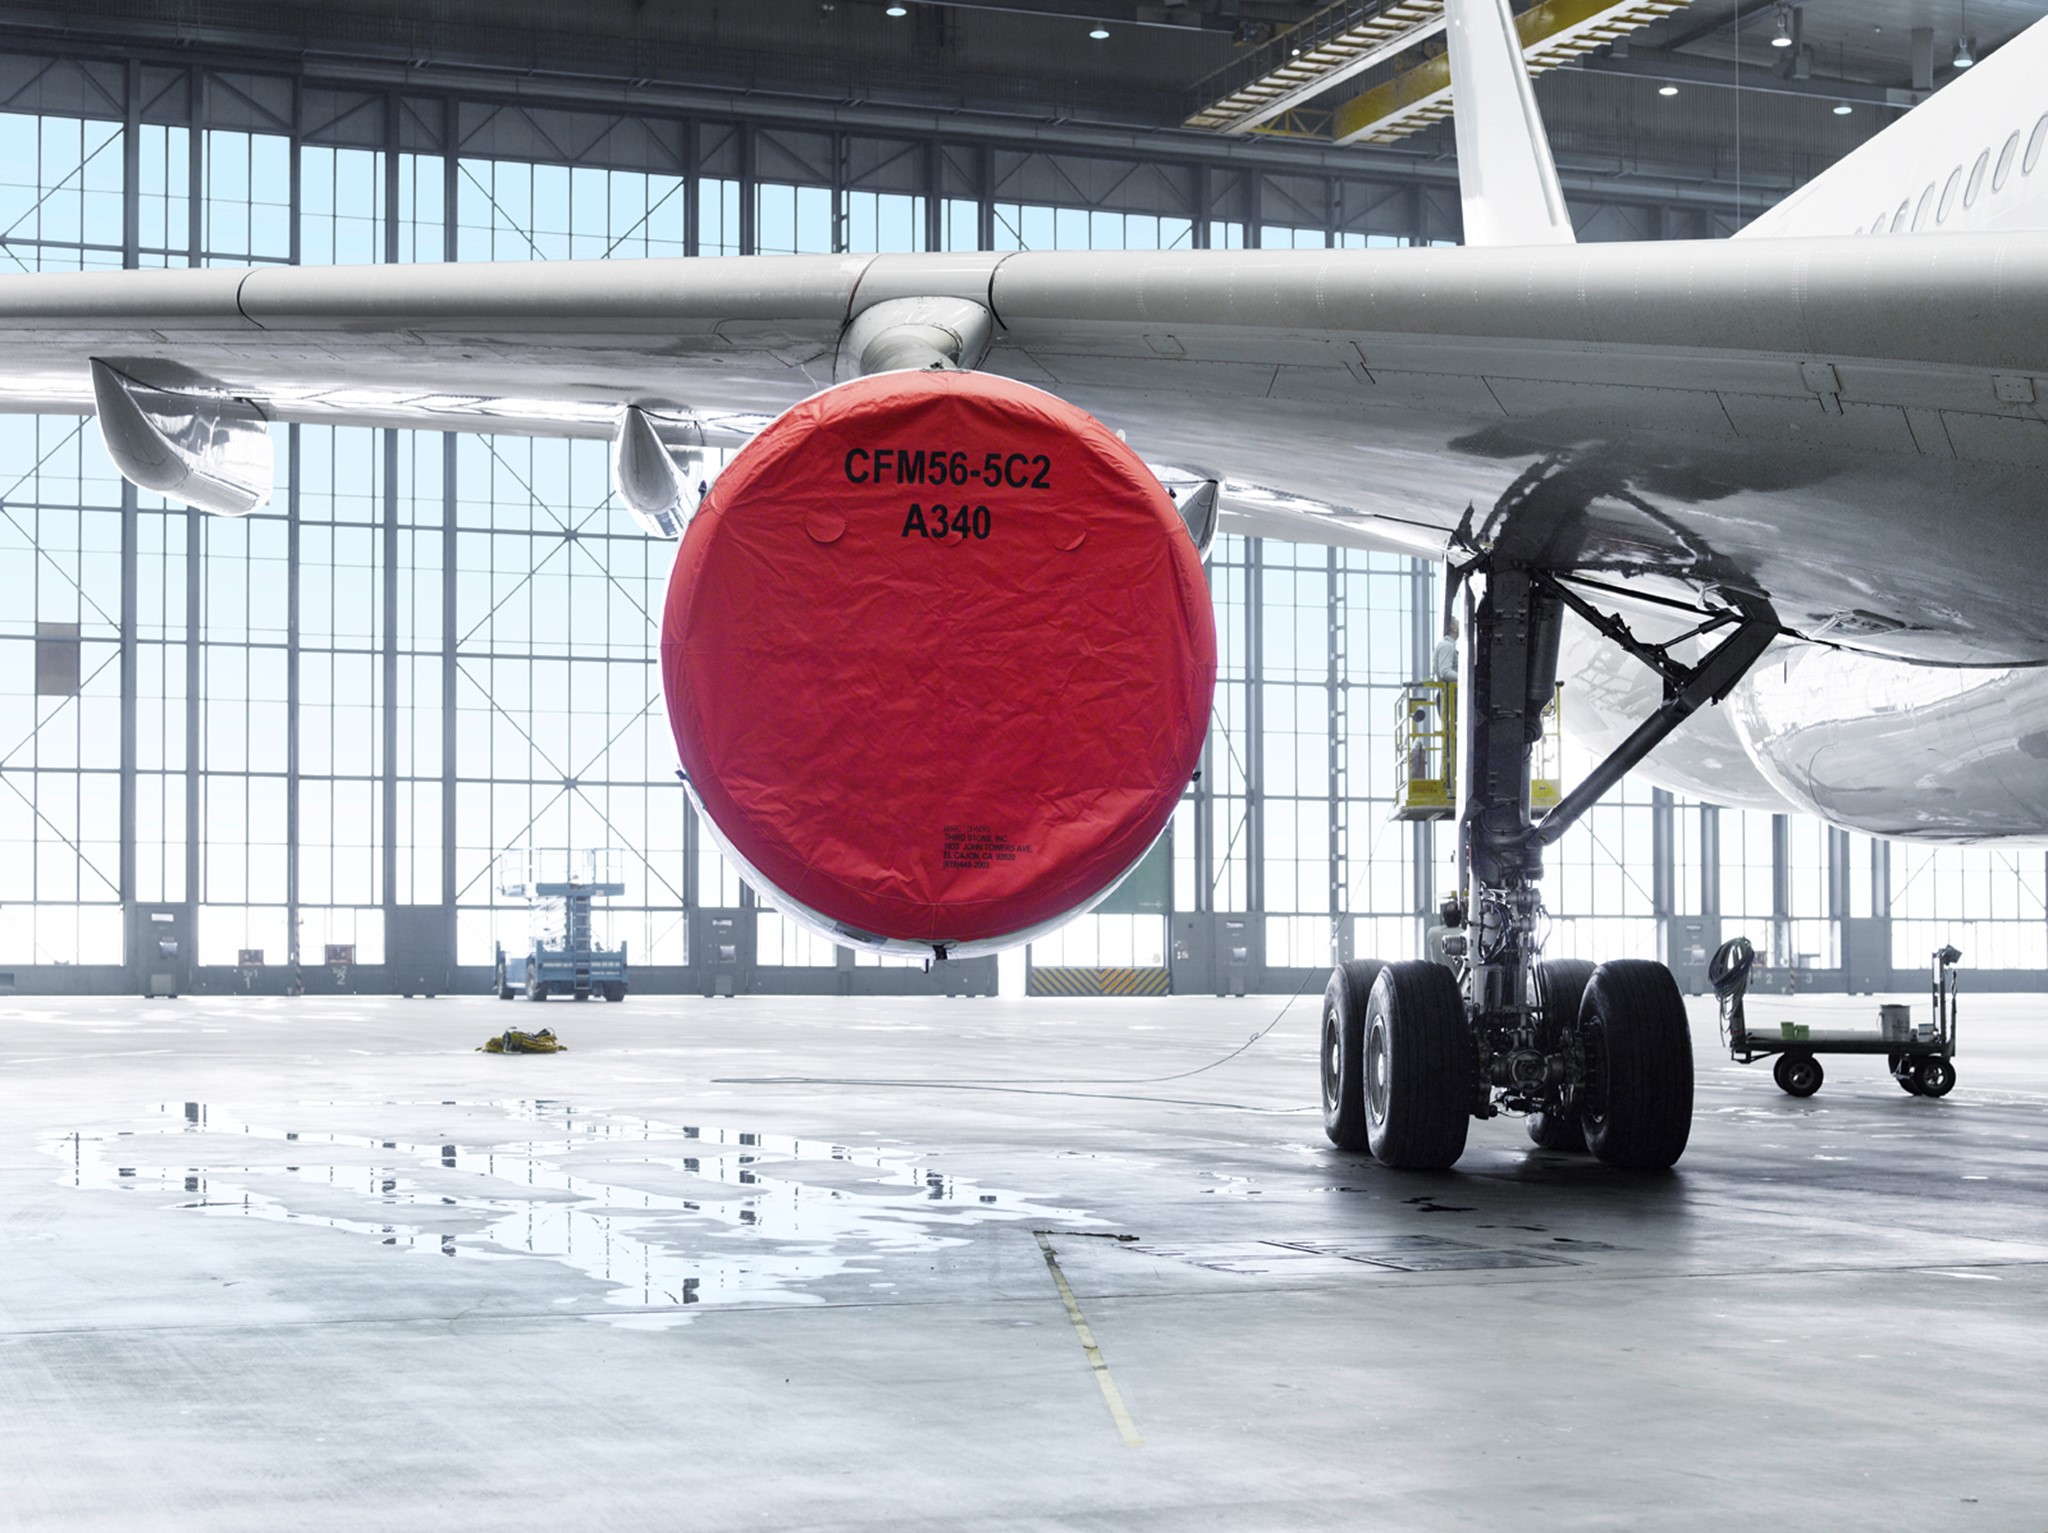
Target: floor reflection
pixel 671 1215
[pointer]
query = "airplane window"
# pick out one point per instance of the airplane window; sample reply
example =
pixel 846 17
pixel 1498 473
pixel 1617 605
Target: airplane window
pixel 2005 156
pixel 1899 218
pixel 2034 145
pixel 1878 227
pixel 1976 179
pixel 1948 195
pixel 1926 202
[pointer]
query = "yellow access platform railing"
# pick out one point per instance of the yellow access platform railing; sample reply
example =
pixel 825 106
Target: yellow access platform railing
pixel 1426 754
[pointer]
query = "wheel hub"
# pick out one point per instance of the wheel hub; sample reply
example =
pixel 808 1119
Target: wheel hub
pixel 1377 1071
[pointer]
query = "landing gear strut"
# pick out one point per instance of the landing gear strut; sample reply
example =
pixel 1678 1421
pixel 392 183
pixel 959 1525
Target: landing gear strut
pixel 1599 1058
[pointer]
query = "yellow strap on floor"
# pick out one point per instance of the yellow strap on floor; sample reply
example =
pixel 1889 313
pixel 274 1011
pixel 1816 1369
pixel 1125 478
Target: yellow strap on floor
pixel 513 1041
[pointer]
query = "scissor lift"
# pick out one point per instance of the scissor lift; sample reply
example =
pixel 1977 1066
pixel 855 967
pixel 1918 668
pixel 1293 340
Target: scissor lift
pixel 563 957
pixel 1921 1057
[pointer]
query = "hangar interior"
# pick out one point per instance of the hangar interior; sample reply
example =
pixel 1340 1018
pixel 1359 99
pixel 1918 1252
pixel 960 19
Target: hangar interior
pixel 320 725
pixel 974 1247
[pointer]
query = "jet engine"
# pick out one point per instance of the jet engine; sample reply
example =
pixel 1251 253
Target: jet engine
pixel 939 658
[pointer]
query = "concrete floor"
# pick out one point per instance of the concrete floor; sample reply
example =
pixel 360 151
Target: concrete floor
pixel 269 1264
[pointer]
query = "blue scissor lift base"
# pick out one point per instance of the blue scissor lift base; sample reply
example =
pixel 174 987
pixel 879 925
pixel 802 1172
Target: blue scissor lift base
pixel 573 967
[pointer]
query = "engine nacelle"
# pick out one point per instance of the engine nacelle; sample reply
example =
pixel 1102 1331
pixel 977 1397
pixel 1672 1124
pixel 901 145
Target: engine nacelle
pixel 939 658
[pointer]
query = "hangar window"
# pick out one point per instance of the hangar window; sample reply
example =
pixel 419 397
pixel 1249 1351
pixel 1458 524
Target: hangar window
pixel 718 217
pixel 1948 195
pixel 246 216
pixel 2005 155
pixel 513 210
pixel 60 192
pixel 883 221
pixel 1985 900
pixel 2034 141
pixel 1025 226
pixel 1976 179
pixel 792 220
pixel 1926 202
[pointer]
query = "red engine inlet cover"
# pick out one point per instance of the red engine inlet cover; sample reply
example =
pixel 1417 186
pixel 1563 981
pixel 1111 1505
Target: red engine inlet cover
pixel 939 657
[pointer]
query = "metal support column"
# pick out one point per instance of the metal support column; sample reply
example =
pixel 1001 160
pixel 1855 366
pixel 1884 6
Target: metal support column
pixel 1254 729
pixel 841 224
pixel 1710 862
pixel 1781 890
pixel 693 190
pixel 747 190
pixel 449 547
pixel 194 524
pixel 293 693
pixel 389 637
pixel 450 551
pixel 131 532
pixel 1338 689
pixel 1422 637
pixel 1664 872
pixel 984 198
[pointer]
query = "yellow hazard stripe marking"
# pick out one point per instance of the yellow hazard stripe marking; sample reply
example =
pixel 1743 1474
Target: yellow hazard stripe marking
pixel 1065 980
pixel 1110 1397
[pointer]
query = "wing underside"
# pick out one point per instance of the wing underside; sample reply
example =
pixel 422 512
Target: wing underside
pixel 1807 418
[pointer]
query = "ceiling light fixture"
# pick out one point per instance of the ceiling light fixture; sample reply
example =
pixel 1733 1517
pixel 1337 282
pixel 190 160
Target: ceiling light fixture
pixel 897 10
pixel 1784 37
pixel 1098 33
pixel 1667 90
pixel 1843 109
pixel 1962 59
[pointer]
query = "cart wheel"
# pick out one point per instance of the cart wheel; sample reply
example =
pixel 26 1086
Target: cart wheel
pixel 504 984
pixel 615 990
pixel 1904 1073
pixel 536 987
pixel 1798 1075
pixel 1934 1076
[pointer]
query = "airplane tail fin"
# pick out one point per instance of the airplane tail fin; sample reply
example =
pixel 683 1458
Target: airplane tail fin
pixel 1505 175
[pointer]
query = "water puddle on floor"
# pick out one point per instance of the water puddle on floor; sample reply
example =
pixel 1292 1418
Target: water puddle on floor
pixel 671 1215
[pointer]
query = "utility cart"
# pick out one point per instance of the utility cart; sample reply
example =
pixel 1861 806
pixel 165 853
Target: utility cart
pixel 1921 1055
pixel 562 957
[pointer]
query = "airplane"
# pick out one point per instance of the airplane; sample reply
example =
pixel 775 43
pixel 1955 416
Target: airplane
pixel 936 649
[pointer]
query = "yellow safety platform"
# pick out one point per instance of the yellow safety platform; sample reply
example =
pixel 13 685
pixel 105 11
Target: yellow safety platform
pixel 1426 754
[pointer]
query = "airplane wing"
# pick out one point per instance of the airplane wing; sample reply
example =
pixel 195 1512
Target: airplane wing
pixel 1853 428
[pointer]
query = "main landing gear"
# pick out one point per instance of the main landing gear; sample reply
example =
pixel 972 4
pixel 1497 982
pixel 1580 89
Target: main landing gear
pixel 1598 1057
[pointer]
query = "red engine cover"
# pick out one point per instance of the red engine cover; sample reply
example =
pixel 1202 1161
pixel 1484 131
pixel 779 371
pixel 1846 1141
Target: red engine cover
pixel 939 656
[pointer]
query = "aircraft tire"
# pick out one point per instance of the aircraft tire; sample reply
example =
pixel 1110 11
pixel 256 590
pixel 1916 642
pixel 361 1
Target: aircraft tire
pixel 1343 1051
pixel 1934 1076
pixel 1637 1103
pixel 1419 1074
pixel 1560 988
pixel 1798 1075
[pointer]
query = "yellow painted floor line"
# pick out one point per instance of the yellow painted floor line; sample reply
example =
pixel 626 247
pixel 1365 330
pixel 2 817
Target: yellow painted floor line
pixel 1110 1397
